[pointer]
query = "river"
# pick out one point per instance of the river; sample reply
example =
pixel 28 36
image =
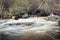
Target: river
pixel 29 26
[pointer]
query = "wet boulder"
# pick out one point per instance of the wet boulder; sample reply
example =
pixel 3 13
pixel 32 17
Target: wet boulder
pixel 17 15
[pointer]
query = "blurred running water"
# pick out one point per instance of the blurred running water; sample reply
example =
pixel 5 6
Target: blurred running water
pixel 30 26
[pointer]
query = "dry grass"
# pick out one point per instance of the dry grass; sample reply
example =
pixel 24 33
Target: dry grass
pixel 11 7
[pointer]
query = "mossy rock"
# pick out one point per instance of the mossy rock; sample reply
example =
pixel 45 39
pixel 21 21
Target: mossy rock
pixel 59 22
pixel 46 18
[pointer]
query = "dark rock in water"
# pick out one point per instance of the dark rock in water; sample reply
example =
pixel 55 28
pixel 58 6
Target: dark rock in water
pixel 26 24
pixel 17 15
pixel 14 24
pixel 39 13
pixel 20 15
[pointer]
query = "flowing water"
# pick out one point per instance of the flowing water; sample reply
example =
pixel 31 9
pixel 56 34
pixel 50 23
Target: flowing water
pixel 28 26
